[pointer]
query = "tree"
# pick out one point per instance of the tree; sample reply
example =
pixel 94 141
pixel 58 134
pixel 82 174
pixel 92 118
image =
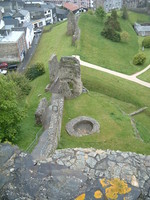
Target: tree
pixel 22 83
pixel 124 13
pixel 139 59
pixel 146 42
pixel 111 28
pixel 100 13
pixel 10 113
pixel 124 36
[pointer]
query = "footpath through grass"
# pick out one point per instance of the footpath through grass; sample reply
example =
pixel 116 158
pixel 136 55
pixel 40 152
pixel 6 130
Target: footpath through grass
pixel 95 49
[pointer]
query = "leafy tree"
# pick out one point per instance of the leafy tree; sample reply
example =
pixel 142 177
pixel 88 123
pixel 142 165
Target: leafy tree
pixel 139 59
pixel 111 28
pixel 100 13
pixel 35 70
pixel 124 36
pixel 114 15
pixel 146 42
pixel 125 13
pixel 10 113
pixel 22 83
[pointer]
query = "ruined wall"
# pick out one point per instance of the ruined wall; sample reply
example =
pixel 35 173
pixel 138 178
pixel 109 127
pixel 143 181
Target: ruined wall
pixel 68 78
pixel 48 141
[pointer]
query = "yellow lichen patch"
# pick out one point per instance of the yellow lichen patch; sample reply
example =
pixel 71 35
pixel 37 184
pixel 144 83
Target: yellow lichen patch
pixel 120 185
pixel 111 193
pixel 81 197
pixel 98 194
pixel 104 182
pixel 116 187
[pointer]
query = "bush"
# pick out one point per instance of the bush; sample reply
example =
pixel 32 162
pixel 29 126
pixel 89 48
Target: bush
pixel 22 83
pixel 90 12
pixel 34 71
pixel 146 42
pixel 139 59
pixel 124 36
pixel 110 34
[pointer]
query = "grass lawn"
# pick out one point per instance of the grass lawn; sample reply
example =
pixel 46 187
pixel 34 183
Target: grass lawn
pixel 145 76
pixel 95 49
pixel 57 42
pixel 107 102
pixel 109 98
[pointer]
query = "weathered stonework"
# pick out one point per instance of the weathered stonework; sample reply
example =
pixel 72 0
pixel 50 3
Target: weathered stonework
pixel 67 81
pixel 82 126
pixel 74 174
pixel 48 141
pixel 72 27
pixel 41 111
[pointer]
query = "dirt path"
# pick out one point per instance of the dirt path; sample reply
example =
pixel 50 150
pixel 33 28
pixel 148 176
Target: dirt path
pixel 132 78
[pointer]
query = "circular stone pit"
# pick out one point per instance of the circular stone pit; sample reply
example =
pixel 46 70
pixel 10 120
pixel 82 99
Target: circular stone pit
pixel 82 126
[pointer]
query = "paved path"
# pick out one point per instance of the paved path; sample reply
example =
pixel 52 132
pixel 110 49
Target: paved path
pixel 132 78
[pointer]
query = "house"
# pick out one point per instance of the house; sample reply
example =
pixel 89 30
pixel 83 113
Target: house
pixel 113 4
pixel 2 24
pixel 41 15
pixel 71 7
pixel 11 23
pixel 34 2
pixel 22 16
pixel 61 14
pixel 27 28
pixel 142 29
pixel 12 46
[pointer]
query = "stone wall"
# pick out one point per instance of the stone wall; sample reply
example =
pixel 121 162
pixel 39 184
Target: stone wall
pixel 66 76
pixel 49 139
pixel 9 52
pixel 74 173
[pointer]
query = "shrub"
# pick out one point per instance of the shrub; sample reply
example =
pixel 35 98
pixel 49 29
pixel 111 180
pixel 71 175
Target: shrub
pixel 34 71
pixel 124 36
pixel 22 83
pixel 139 59
pixel 110 34
pixel 146 42
pixel 90 12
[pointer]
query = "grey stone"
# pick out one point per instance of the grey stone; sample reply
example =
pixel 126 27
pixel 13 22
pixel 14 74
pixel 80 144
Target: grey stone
pixel 91 162
pixel 68 78
pixel 41 111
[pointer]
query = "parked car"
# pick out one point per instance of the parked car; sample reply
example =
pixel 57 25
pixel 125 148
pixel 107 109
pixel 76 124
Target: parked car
pixel 3 71
pixel 3 65
pixel 37 31
pixel 12 67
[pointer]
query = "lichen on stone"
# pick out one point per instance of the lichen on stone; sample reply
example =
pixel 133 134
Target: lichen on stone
pixel 98 194
pixel 81 197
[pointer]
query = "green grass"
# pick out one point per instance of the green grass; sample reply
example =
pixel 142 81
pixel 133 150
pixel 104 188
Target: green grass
pixel 51 42
pixel 95 49
pixel 145 76
pixel 108 100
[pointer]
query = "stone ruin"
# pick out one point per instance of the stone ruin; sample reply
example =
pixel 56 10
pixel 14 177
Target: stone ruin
pixel 82 126
pixel 72 27
pixel 65 76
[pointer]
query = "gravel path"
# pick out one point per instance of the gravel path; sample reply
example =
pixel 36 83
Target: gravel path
pixel 132 78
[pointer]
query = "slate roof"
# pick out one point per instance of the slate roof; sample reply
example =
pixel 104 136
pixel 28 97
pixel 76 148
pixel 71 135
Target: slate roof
pixel 60 11
pixel 70 6
pixel 142 27
pixel 14 22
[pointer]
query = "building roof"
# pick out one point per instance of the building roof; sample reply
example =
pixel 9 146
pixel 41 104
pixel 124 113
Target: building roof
pixel 142 27
pixel 70 6
pixel 28 25
pixel 14 22
pixel 21 13
pixel 61 11
pixel 12 37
